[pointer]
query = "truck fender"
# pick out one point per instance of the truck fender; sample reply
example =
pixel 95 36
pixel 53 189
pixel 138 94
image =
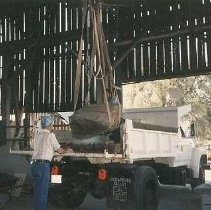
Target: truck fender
pixel 198 157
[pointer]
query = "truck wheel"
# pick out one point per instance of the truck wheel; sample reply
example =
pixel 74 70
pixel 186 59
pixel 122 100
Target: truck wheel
pixel 201 179
pixel 98 189
pixel 60 196
pixel 198 181
pixel 146 189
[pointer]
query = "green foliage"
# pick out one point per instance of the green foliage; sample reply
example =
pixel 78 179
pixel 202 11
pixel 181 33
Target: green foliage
pixel 175 92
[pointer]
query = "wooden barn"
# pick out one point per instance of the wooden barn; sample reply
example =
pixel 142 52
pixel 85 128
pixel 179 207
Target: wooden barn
pixel 58 55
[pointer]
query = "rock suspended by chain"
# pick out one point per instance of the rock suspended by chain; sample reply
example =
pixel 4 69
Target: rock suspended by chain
pixel 94 119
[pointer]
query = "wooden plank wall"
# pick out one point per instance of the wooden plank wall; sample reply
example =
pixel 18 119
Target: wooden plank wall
pixel 147 41
pixel 44 42
pixel 172 39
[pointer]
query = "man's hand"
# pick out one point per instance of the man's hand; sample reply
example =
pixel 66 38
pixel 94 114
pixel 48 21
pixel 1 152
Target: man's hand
pixel 69 150
pixel 62 150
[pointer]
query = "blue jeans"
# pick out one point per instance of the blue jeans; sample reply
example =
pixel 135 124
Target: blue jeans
pixel 41 180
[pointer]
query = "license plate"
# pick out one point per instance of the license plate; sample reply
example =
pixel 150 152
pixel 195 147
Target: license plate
pixel 57 179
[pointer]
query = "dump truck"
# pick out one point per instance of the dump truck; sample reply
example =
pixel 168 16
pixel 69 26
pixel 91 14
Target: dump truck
pixel 150 147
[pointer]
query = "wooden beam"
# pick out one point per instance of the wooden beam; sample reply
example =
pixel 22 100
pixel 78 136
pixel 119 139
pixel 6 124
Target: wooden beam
pixel 119 3
pixel 46 41
pixel 6 92
pixel 135 42
pixel 74 3
pixel 173 74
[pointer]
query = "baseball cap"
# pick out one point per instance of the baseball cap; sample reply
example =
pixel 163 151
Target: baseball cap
pixel 46 120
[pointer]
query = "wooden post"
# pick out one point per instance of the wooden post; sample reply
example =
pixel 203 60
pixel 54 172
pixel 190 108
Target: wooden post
pixel 6 96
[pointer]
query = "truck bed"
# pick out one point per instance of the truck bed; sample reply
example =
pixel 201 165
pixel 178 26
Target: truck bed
pixel 145 134
pixel 96 144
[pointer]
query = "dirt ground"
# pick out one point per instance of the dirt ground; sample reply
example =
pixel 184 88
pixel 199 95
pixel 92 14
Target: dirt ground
pixel 172 198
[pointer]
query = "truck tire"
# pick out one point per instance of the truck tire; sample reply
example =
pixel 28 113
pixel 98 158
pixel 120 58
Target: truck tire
pixel 146 189
pixel 201 179
pixel 63 197
pixel 98 189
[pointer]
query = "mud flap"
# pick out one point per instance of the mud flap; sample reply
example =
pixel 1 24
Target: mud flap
pixel 132 188
pixel 120 189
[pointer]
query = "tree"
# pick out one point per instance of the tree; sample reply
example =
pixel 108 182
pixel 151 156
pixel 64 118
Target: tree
pixel 175 92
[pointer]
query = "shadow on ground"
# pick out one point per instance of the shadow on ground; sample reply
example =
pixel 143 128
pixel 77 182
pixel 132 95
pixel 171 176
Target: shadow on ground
pixel 171 198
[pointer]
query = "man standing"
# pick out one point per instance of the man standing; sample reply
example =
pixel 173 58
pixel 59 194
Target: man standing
pixel 44 145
